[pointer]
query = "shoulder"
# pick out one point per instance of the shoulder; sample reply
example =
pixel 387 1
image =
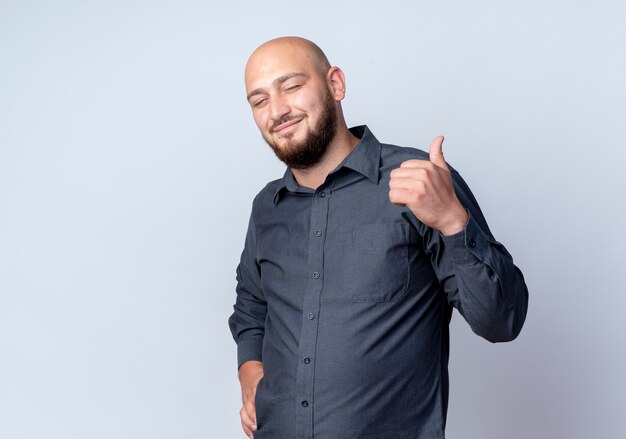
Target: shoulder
pixel 265 197
pixel 392 156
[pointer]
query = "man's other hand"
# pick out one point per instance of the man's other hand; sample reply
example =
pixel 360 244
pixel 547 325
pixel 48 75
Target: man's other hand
pixel 250 373
pixel 425 187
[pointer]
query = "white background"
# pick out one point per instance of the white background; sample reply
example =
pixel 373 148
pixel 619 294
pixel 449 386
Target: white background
pixel 129 160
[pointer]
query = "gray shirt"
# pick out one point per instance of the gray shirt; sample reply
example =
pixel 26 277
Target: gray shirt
pixel 346 298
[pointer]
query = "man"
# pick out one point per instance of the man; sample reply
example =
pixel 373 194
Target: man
pixel 351 266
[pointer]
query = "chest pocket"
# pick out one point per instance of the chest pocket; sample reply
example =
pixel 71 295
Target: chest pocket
pixel 375 266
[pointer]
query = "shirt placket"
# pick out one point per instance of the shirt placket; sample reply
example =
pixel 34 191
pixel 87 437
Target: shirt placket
pixel 311 307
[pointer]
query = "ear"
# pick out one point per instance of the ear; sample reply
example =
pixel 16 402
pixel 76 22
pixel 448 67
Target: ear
pixel 336 83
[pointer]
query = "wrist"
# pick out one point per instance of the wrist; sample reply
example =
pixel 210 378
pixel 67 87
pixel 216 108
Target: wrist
pixel 250 371
pixel 456 223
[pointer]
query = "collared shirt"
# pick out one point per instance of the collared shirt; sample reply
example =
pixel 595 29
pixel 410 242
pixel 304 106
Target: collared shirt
pixel 346 298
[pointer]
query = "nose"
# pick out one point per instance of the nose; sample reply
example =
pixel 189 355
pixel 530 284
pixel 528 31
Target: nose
pixel 279 108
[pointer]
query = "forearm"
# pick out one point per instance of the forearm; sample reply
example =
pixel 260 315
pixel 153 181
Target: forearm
pixel 247 323
pixel 485 286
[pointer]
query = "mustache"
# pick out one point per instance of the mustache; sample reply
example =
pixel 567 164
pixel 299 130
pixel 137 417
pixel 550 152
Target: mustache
pixel 285 119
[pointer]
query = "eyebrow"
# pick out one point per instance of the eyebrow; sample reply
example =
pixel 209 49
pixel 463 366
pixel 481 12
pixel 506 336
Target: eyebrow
pixel 276 81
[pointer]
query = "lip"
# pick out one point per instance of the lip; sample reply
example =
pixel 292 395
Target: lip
pixel 287 126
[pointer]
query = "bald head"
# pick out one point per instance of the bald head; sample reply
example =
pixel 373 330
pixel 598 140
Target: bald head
pixel 287 53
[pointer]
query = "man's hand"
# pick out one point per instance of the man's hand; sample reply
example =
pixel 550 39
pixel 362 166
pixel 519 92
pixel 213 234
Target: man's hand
pixel 250 373
pixel 426 188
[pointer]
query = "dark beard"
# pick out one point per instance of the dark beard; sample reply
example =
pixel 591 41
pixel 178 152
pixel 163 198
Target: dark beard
pixel 311 150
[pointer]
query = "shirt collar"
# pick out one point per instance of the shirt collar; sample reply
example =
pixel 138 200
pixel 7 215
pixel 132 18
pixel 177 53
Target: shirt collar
pixel 365 159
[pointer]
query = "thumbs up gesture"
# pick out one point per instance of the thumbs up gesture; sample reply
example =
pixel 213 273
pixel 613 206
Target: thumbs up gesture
pixel 425 187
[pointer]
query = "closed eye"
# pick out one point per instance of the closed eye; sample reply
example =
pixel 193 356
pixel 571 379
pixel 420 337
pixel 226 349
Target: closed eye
pixel 259 103
pixel 293 87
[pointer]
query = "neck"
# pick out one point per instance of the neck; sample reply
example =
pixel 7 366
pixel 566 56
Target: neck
pixel 341 146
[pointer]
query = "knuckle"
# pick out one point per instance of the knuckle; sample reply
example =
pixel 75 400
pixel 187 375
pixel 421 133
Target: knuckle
pixel 394 197
pixel 418 190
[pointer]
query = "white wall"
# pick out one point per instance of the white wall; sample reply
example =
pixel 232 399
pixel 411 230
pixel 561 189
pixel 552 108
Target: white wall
pixel 129 159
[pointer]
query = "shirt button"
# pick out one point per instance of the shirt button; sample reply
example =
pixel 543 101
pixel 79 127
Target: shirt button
pixel 322 194
pixel 316 275
pixel 305 403
pixel 318 233
pixel 310 316
pixel 472 243
pixel 306 360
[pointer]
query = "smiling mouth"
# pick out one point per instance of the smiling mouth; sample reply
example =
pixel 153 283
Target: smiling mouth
pixel 287 125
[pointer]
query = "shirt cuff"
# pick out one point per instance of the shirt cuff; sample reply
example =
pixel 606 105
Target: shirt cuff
pixel 249 349
pixel 466 246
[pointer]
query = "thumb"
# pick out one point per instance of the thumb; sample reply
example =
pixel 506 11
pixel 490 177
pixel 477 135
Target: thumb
pixel 251 409
pixel 436 152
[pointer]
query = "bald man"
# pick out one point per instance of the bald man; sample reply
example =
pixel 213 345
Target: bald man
pixel 352 264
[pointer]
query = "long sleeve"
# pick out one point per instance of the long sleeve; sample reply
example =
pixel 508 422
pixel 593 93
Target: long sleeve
pixel 247 323
pixel 478 275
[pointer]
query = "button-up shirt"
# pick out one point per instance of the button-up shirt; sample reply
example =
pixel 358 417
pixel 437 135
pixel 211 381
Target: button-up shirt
pixel 346 298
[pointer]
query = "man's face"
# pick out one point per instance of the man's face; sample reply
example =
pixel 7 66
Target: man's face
pixel 291 105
